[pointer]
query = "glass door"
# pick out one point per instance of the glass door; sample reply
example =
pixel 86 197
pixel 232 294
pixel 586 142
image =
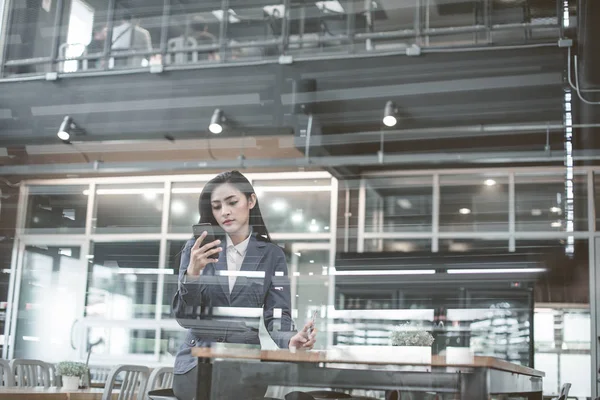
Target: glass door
pixel 48 301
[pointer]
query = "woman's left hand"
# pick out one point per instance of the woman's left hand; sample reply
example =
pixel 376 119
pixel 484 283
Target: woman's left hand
pixel 305 339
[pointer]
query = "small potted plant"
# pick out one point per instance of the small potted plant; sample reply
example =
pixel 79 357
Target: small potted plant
pixel 71 373
pixel 415 344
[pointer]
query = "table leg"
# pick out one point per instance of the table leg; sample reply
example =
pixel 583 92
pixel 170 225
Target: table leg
pixel 203 384
pixel 535 396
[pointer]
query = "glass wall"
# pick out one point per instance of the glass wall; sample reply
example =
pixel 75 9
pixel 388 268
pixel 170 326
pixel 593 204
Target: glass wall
pixel 74 36
pixel 122 274
pixel 470 256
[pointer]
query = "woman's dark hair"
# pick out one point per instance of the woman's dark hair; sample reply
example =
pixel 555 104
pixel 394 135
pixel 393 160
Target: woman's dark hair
pixel 238 180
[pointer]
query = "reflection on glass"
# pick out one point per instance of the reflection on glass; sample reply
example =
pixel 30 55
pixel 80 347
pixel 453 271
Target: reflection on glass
pixel 170 341
pixel 473 203
pixel 184 206
pixel 541 204
pixel 135 29
pixel 399 204
pixel 193 33
pixel 309 270
pixel 51 278
pixel 472 245
pixel 123 280
pixel 122 341
pixel 56 209
pixel 129 208
pixel 398 245
pixel 295 206
pixel 171 280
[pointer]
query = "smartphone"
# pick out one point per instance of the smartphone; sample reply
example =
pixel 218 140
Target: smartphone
pixel 313 320
pixel 198 229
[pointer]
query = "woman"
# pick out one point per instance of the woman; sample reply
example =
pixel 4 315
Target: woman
pixel 229 202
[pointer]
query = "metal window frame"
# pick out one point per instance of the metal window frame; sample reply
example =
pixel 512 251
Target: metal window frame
pixel 163 237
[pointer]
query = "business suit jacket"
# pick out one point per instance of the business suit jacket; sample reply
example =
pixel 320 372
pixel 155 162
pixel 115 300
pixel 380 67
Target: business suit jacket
pixel 194 301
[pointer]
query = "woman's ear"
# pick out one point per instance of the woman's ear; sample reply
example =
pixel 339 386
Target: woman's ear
pixel 252 201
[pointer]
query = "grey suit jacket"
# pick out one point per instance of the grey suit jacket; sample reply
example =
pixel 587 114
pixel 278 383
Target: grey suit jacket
pixel 266 285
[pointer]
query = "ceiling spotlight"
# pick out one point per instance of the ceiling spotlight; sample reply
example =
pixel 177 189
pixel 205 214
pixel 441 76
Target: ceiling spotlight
pixel 216 121
pixel 556 210
pixel 66 127
pixel 489 182
pixel 389 114
pixel 464 211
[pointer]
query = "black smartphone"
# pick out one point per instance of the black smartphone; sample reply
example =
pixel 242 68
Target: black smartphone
pixel 198 229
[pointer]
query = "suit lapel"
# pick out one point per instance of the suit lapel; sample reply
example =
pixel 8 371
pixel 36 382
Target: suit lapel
pixel 254 255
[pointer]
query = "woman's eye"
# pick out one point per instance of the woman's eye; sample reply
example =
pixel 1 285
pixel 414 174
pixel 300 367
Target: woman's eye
pixel 233 203
pixel 216 207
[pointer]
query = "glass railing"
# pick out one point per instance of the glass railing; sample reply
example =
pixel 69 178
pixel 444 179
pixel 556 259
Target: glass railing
pixel 75 36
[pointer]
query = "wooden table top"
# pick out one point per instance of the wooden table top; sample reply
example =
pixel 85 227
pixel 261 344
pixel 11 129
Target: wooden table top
pixel 52 393
pixel 345 356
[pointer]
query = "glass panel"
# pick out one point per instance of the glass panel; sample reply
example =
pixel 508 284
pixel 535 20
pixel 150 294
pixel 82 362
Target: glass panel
pixel 56 209
pixel 250 22
pixel 541 204
pixel 121 342
pixel 193 25
pixel 170 340
pixel 123 280
pixel 53 279
pixel 549 362
pixel 32 33
pixel 575 369
pixel 310 281
pixel 171 280
pixel 133 208
pixel 398 245
pixel 473 203
pixel 402 204
pixel 473 245
pixel 184 206
pixel 136 28
pixel 295 206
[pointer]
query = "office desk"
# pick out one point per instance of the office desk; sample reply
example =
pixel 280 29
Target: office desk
pixel 477 380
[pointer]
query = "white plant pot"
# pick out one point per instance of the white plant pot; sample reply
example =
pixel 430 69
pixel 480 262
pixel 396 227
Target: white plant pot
pixel 416 355
pixel 70 382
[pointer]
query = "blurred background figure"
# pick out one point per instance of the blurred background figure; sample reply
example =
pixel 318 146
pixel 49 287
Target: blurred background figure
pixel 128 35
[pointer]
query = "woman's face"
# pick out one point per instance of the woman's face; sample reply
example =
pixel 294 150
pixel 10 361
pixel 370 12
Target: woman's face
pixel 231 208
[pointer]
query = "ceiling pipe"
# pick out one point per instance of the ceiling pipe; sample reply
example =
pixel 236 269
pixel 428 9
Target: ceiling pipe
pixel 479 158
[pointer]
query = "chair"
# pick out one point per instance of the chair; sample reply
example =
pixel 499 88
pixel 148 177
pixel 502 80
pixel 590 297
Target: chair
pixel 55 380
pixel 6 374
pixel 133 384
pixel 30 373
pixel 160 384
pixel 564 391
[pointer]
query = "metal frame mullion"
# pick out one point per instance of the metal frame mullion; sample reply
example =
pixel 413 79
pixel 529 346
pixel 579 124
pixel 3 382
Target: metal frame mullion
pixel 594 282
pixel 162 263
pixel 332 255
pixel 362 205
pixel 511 212
pixel 435 214
pixel 13 290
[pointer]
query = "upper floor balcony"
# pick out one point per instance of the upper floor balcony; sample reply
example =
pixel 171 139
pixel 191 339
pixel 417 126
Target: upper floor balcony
pixel 47 39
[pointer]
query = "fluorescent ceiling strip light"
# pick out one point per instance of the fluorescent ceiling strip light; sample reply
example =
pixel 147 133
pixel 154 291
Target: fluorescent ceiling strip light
pixel 385 272
pixel 496 270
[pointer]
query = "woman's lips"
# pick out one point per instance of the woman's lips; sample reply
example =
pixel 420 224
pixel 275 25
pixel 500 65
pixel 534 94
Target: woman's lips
pixel 227 222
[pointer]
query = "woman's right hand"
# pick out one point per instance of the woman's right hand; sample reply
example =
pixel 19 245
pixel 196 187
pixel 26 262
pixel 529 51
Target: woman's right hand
pixel 200 257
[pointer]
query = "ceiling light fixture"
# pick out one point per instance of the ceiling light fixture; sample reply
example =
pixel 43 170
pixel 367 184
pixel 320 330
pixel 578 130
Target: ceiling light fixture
pixel 65 130
pixel 389 114
pixel 489 182
pixel 216 121
pixel 464 211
